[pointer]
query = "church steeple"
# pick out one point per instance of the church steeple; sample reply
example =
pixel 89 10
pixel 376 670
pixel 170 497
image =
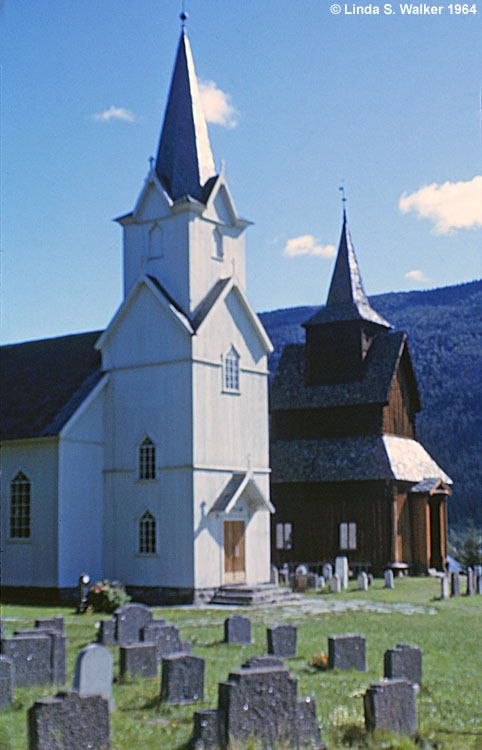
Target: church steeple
pixel 184 158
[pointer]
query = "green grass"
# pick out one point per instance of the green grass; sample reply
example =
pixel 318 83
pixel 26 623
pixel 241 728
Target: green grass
pixel 448 632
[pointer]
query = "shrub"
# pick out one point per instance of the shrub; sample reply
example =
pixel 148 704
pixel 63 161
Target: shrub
pixel 106 596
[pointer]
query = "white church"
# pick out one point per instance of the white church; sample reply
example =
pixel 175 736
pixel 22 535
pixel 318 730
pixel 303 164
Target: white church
pixel 140 453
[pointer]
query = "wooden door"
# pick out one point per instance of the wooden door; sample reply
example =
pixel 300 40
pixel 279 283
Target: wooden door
pixel 234 571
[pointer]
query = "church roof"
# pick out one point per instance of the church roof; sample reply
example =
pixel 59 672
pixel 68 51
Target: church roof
pixel 240 484
pixel 44 382
pixel 289 389
pixel 346 298
pixel 348 459
pixel 184 161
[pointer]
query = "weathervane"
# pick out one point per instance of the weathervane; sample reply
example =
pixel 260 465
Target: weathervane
pixel 183 15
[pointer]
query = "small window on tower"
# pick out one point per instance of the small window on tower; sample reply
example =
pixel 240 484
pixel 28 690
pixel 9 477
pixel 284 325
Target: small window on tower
pixel 231 371
pixel 147 534
pixel 147 459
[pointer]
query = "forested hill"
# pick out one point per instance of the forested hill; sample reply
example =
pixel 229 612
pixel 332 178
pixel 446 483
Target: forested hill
pixel 445 339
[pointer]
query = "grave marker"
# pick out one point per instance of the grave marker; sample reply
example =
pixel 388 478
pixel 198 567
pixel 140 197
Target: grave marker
pixel 58 655
pixel 69 721
pixel 347 652
pixel 327 571
pixel 94 672
pixel 32 658
pixel 444 587
pixel 237 629
pixel 7 681
pixel 182 679
pixel 335 585
pixel 106 632
pixel 454 584
pixel 51 623
pixel 389 579
pixel 129 621
pixel 403 662
pixel 362 581
pixel 470 590
pixel 165 638
pixel 341 570
pixel 282 640
pixel 391 705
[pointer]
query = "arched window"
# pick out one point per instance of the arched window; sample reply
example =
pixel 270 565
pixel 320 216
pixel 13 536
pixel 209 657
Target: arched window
pixel 147 459
pixel 231 370
pixel 218 244
pixel 147 534
pixel 20 495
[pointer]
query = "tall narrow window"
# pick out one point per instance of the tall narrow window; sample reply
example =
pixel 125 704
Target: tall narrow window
pixel 348 536
pixel 231 370
pixel 284 533
pixel 147 534
pixel 147 459
pixel 218 244
pixel 20 494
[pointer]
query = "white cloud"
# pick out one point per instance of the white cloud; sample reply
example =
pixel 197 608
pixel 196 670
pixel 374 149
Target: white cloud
pixel 418 276
pixel 453 205
pixel 115 113
pixel 217 105
pixel 307 245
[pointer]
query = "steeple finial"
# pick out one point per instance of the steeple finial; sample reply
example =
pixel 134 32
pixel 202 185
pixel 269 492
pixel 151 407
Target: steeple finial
pixel 343 198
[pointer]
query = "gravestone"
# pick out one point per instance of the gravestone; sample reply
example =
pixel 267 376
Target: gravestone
pixel 321 582
pixel 165 638
pixel 69 721
pixel 370 579
pixel 129 621
pixel 282 640
pixel 389 579
pixel 478 587
pixel 362 581
pixel 347 652
pixel 444 587
pixel 301 570
pixel 403 662
pixel 58 655
pixel 31 657
pixel 237 629
pixel 182 679
pixel 327 571
pixel 341 570
pixel 335 585
pixel 205 730
pixel 106 632
pixel 7 681
pixel 454 584
pixel 254 662
pixel 470 590
pixel 51 623
pixel 274 575
pixel 477 570
pixel 94 672
pixel 138 660
pixel 391 705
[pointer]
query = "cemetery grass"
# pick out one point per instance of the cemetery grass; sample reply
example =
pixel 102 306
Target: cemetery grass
pixel 448 632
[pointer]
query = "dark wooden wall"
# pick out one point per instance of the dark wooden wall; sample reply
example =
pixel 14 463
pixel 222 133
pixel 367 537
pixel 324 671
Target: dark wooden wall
pixel 309 424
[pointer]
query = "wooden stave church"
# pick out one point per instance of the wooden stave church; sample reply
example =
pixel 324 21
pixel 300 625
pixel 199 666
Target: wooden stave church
pixel 348 475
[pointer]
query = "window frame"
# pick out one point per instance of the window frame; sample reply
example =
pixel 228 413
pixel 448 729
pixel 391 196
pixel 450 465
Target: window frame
pixel 231 371
pixel 146 460
pixel 147 534
pixel 348 535
pixel 19 520
pixel 284 535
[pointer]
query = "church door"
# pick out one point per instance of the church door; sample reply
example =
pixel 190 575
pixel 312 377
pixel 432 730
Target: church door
pixel 234 571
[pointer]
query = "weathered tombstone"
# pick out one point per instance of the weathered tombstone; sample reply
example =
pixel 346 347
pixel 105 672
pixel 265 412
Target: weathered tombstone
pixel 403 662
pixel 274 575
pixel 237 629
pixel 347 652
pixel 32 658
pixel 327 571
pixel 58 654
pixel 138 660
pixel 370 579
pixel 182 678
pixel 255 662
pixel 282 640
pixel 341 570
pixel 477 570
pixel 479 585
pixel 299 582
pixel 391 705
pixel 389 579
pixel 301 570
pixel 94 672
pixel 321 582
pixel 51 623
pixel 165 638
pixel 470 591
pixel 69 721
pixel 362 581
pixel 454 584
pixel 444 588
pixel 106 632
pixel 335 585
pixel 205 730
pixel 129 621
pixel 7 677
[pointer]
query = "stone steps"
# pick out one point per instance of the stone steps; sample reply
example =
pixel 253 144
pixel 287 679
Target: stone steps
pixel 244 595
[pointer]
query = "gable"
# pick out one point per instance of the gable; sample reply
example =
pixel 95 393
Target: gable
pixel 153 203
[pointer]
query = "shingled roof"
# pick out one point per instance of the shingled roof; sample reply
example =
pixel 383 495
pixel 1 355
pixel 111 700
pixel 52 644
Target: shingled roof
pixel 44 382
pixel 289 389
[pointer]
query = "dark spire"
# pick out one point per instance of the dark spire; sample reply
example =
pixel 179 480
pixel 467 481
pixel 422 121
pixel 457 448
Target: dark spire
pixel 184 158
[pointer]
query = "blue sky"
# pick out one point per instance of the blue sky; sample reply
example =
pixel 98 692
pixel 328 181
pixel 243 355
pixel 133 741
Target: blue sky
pixel 303 99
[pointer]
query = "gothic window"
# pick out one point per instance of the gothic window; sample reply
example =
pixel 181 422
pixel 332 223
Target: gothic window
pixel 147 534
pixel 231 370
pixel 218 244
pixel 147 459
pixel 348 536
pixel 20 495
pixel 284 532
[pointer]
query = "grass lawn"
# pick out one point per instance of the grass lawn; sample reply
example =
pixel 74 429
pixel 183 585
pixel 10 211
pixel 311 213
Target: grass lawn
pixel 448 632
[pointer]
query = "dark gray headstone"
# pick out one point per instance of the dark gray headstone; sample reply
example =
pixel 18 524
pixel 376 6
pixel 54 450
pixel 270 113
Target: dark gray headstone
pixel 454 584
pixel 205 730
pixel 237 629
pixel 165 637
pixel 58 656
pixel 69 721
pixel 347 652
pixel 403 662
pixel 51 623
pixel 391 705
pixel 129 621
pixel 470 590
pixel 255 662
pixel 282 641
pixel 182 678
pixel 7 681
pixel 32 658
pixel 106 632
pixel 139 660
pixel 93 674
